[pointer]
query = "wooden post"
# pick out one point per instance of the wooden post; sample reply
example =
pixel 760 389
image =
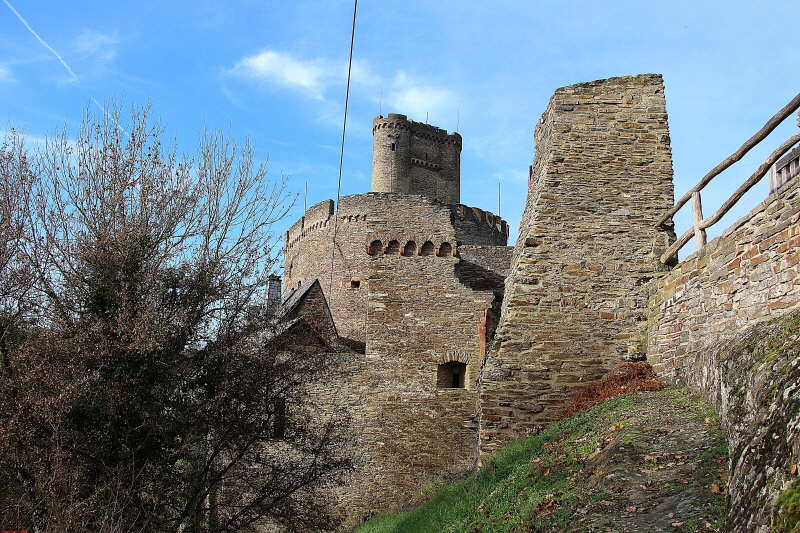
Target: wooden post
pixel 699 231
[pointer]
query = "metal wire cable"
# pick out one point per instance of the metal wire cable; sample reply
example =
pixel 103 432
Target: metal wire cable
pixel 341 155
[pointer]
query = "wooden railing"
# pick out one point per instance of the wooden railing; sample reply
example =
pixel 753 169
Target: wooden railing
pixel 698 230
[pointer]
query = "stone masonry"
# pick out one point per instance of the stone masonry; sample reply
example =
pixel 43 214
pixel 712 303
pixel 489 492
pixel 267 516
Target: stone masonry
pixel 453 331
pixel 414 158
pixel 746 277
pixel 414 282
pixel 575 301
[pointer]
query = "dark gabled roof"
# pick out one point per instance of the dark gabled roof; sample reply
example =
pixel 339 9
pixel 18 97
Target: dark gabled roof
pixel 292 308
pixel 286 327
pixel 293 299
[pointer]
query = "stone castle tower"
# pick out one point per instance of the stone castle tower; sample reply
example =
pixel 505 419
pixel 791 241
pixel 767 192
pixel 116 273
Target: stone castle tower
pixel 414 158
pixel 413 280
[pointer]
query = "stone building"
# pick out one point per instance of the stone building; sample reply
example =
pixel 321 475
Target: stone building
pixel 460 343
pixel 414 282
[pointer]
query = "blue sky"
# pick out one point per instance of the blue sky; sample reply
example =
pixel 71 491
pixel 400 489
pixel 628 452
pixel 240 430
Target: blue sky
pixel 276 72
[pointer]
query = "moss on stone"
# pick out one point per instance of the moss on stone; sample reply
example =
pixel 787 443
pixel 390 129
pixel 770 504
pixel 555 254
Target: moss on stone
pixel 786 513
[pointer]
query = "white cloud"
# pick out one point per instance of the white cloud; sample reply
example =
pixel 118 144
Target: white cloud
pixel 313 77
pixel 417 99
pixel 100 46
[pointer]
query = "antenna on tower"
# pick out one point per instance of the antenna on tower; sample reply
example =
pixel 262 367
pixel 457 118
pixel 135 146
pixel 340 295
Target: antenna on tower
pixel 426 117
pixel 458 120
pixel 380 103
pixel 498 198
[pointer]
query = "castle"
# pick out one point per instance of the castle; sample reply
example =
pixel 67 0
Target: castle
pixel 459 343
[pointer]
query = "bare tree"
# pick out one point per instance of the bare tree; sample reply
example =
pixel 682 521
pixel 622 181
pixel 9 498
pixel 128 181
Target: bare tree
pixel 16 181
pixel 148 391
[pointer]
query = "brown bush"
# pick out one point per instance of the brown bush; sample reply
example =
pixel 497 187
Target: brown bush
pixel 630 377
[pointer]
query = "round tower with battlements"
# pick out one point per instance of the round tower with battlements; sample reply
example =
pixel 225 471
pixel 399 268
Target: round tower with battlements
pixel 414 158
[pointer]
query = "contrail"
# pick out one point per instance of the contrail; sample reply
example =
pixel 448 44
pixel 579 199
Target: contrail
pixel 74 76
pixel 41 40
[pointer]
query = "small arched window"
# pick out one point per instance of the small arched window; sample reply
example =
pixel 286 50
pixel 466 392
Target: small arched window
pixel 393 248
pixel 375 248
pixel 410 248
pixel 452 375
pixel 428 248
pixel 445 249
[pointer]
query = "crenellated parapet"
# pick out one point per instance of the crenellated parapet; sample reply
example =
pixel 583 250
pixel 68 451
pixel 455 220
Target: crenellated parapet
pixel 397 122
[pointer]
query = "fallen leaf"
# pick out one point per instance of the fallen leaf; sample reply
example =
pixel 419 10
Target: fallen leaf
pixel 631 509
pixel 618 427
pixel 794 470
pixel 715 489
pixel 592 456
pixel 546 472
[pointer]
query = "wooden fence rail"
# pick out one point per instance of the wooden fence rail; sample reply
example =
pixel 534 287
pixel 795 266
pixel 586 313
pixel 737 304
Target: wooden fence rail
pixel 701 224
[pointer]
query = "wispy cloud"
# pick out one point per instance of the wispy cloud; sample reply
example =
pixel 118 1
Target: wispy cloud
pixel 314 77
pixel 64 63
pixel 100 46
pixel 5 73
pixel 417 99
pixel 310 76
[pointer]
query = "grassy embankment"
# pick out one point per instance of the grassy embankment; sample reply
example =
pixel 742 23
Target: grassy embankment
pixel 551 481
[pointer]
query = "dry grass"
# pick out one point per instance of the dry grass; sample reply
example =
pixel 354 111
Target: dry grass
pixel 630 377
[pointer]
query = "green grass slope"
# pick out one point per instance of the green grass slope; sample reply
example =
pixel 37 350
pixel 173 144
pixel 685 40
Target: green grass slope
pixel 651 461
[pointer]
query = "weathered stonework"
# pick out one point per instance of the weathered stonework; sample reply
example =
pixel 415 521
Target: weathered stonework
pixel 748 274
pixel 575 301
pixel 454 331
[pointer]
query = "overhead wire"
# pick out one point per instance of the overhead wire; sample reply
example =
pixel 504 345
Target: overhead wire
pixel 341 155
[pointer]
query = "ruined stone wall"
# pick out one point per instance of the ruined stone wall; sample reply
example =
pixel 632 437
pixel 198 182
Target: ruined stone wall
pixel 414 158
pixel 704 332
pixel 574 304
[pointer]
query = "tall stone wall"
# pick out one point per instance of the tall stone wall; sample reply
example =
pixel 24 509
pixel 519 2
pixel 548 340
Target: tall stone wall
pixel 575 300
pixel 413 424
pixel 747 276
pixel 309 254
pixel 422 305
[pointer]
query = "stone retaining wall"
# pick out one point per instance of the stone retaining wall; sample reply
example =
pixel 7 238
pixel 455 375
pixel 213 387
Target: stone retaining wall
pixel 748 274
pixel 710 326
